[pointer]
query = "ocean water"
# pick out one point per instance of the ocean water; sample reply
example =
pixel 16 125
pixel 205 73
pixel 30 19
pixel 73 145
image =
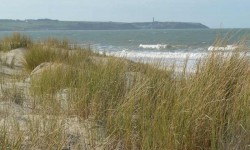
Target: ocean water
pixel 126 43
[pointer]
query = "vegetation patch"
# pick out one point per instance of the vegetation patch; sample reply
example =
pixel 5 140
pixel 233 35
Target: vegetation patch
pixel 16 40
pixel 135 105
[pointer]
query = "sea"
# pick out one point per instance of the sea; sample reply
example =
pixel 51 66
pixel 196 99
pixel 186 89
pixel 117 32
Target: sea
pixel 177 45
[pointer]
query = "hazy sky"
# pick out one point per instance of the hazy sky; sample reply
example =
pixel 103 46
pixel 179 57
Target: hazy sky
pixel 213 13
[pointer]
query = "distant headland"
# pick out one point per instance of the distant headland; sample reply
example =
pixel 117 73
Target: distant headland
pixel 48 24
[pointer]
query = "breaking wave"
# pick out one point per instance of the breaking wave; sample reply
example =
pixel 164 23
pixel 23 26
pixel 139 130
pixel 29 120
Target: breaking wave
pixel 157 55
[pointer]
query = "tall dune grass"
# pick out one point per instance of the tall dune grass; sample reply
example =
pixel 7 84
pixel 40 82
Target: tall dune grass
pixel 53 50
pixel 16 40
pixel 208 109
pixel 141 107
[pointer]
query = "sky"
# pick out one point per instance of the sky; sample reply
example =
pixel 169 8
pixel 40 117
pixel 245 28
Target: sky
pixel 213 13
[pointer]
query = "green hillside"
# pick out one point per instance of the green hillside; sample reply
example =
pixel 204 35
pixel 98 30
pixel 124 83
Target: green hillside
pixel 48 24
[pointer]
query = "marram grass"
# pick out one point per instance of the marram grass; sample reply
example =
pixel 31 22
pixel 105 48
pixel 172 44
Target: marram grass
pixel 139 106
pixel 16 40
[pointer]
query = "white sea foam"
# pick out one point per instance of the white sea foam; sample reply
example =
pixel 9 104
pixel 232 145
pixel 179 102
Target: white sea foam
pixel 157 55
pixel 180 58
pixel 225 48
pixel 165 59
pixel 157 46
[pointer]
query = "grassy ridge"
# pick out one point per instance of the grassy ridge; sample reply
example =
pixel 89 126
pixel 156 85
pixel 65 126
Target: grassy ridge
pixel 139 106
